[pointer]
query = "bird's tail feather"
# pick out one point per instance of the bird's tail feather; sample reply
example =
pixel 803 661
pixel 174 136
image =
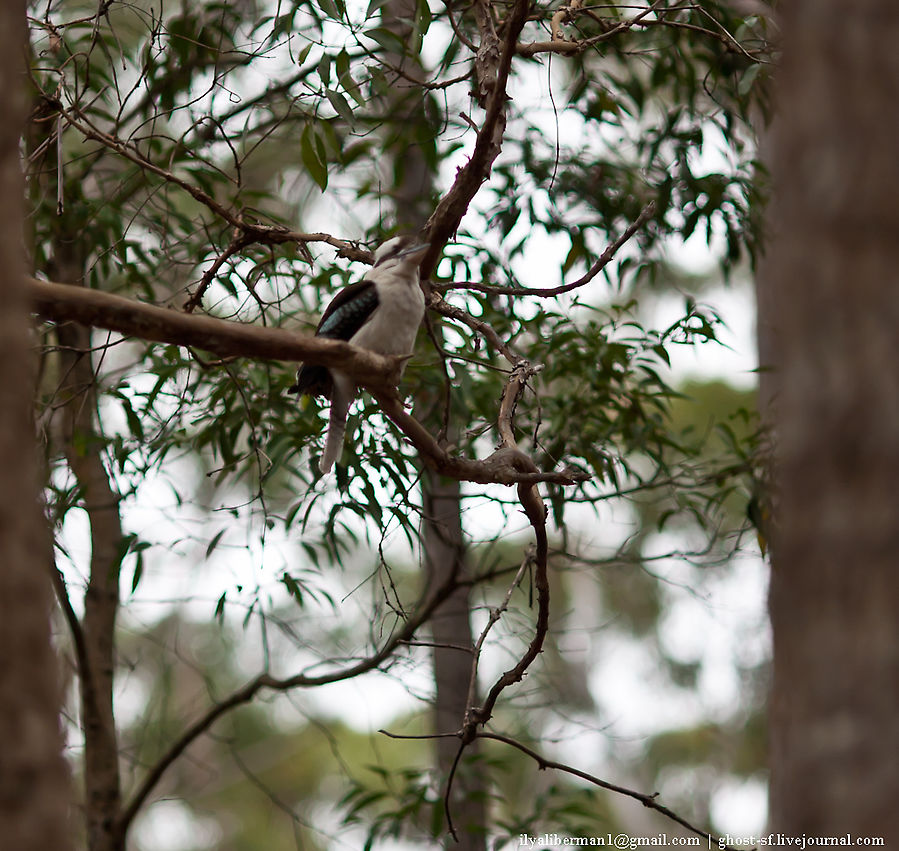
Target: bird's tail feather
pixel 341 399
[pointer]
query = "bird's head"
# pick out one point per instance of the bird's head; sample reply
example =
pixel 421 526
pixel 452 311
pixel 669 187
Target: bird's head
pixel 400 251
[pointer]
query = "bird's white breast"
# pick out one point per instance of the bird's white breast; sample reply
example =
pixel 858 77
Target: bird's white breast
pixel 394 323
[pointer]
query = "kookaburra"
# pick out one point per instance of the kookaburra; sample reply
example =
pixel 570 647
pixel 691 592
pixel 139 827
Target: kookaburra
pixel 380 313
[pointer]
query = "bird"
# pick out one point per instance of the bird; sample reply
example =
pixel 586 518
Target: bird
pixel 380 313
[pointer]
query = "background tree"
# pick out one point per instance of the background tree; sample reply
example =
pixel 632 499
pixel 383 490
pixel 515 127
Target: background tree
pixel 172 160
pixel 34 779
pixel 831 295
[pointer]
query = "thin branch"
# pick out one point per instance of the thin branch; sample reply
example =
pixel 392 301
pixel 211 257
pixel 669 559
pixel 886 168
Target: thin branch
pixel 82 662
pixel 538 554
pixel 265 681
pixel 495 614
pixel 547 292
pixel 238 242
pixel 534 509
pixel 450 311
pixel 505 466
pixel 560 45
pixel 456 31
pixel 516 385
pixel 265 234
pixel 449 789
pixel 648 801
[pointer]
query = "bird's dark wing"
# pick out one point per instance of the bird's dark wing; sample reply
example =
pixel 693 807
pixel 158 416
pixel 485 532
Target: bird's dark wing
pixel 342 318
pixel 348 310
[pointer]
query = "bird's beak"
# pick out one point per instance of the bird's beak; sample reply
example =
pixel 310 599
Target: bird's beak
pixel 414 250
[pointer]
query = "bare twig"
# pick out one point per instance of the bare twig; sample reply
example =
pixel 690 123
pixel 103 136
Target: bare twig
pixel 495 614
pixel 82 662
pixel 548 292
pixel 239 241
pixel 648 801
pixel 428 605
pixel 450 311
pixel 254 232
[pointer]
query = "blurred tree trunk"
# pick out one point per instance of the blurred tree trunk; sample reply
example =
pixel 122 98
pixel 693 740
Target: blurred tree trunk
pixel 78 435
pixel 832 293
pixel 34 779
pixel 443 542
pixel 83 445
pixel 444 550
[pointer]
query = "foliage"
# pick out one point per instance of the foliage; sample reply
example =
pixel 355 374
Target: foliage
pixel 221 152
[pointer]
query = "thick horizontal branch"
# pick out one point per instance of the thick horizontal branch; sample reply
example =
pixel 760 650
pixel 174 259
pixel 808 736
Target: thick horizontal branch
pixel 61 303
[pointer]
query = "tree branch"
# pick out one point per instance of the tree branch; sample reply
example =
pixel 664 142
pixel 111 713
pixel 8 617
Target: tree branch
pixel 493 75
pixel 506 466
pixel 538 554
pixel 531 502
pixel 63 303
pixel 437 303
pixel 428 606
pixel 376 373
pixel 547 292
pixel 648 801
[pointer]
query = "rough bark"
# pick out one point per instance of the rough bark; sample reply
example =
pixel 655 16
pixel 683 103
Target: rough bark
pixel 833 295
pixel 34 779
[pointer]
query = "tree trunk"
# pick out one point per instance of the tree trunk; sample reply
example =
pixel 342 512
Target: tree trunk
pixel 34 779
pixel 83 449
pixel 442 536
pixel 832 292
pixel 444 549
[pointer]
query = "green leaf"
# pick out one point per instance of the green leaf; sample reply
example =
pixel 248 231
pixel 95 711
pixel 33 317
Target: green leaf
pixel 341 107
pixel 214 543
pixel 374 7
pixel 424 16
pixel 219 613
pixel 748 78
pixel 387 39
pixel 324 69
pixel 293 587
pixel 309 154
pixel 342 63
pixel 662 352
pixel 138 572
pixel 334 9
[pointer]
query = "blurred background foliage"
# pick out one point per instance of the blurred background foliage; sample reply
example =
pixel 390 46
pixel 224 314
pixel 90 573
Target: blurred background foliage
pixel 239 557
